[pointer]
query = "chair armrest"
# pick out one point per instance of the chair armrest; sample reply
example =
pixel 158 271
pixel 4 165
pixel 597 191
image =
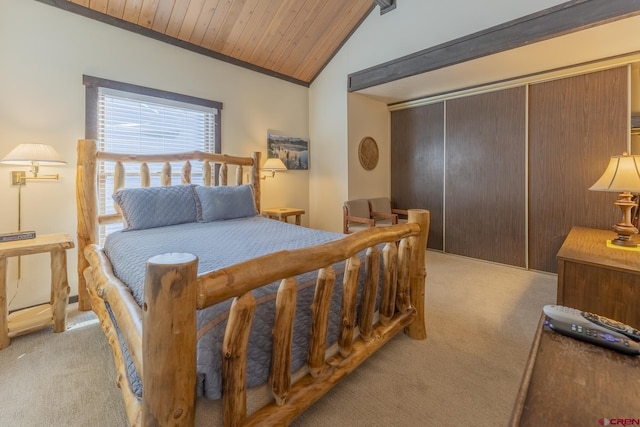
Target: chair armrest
pixel 391 216
pixel 361 220
pixel 400 211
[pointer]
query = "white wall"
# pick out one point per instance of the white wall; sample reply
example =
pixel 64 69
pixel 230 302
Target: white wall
pixel 368 117
pixel 44 51
pixel 338 122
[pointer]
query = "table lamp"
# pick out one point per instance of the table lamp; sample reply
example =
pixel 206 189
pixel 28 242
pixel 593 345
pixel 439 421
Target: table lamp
pixel 622 176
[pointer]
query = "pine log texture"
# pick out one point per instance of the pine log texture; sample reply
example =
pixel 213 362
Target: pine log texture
pixel 185 177
pixel 59 289
pixel 234 360
pixel 4 321
pixel 145 176
pixel 320 319
pixel 388 302
pixel 280 377
pixel 369 293
pixel 417 329
pixel 403 299
pixel 133 405
pixel 87 211
pixel 348 313
pixel 169 323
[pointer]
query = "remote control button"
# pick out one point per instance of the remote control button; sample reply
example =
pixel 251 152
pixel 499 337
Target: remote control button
pixel 609 337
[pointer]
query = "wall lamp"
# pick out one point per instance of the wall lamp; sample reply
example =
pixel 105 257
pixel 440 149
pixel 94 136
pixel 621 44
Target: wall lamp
pixel 273 164
pixel 34 156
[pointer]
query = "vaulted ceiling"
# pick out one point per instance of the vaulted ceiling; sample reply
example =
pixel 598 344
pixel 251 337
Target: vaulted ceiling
pixel 290 39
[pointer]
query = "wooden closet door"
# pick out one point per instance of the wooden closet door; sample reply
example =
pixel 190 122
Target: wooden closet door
pixel 485 176
pixel 575 125
pixel 417 163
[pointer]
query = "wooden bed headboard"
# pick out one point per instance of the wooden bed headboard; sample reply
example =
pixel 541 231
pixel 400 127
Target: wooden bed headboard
pixel 87 187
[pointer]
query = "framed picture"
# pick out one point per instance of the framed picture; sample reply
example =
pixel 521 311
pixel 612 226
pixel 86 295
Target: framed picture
pixel 294 152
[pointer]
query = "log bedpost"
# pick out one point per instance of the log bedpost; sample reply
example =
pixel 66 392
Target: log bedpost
pixel 87 202
pixel 418 272
pixel 255 178
pixel 169 341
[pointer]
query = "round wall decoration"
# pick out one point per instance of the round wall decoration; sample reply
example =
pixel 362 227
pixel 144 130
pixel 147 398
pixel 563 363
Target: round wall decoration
pixel 368 153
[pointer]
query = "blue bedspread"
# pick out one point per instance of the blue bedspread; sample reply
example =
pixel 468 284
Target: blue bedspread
pixel 220 244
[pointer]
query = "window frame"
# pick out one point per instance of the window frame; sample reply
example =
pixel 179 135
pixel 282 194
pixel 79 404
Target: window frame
pixel 92 94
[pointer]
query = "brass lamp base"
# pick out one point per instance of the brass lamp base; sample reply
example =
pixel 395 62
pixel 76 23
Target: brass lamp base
pixel 625 229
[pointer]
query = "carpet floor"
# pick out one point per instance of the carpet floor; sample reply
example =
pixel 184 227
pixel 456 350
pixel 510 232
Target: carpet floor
pixel 481 319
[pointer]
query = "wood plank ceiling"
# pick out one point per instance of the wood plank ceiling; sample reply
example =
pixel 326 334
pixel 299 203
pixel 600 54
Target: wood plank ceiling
pixel 291 39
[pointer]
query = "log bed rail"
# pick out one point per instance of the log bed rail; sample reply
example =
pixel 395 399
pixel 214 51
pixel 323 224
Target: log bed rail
pixel 164 328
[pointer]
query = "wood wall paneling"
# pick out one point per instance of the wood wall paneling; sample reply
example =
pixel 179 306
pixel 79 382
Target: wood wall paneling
pixel 575 125
pixel 485 171
pixel 417 163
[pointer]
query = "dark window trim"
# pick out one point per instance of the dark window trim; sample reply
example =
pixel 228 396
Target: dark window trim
pixel 92 84
pixel 559 20
pixel 110 20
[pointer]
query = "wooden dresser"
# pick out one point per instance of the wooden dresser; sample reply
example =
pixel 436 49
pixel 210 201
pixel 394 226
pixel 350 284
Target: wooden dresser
pixel 568 382
pixel 596 278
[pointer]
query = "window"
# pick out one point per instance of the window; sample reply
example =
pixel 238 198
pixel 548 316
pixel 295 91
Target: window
pixel 125 118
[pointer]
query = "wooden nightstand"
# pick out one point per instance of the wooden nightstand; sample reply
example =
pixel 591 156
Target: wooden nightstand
pixel 39 317
pixel 596 278
pixel 281 214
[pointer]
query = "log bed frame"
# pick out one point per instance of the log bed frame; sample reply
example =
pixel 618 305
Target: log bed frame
pixel 161 335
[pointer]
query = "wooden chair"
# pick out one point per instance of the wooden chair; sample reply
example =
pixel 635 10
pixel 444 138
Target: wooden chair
pixel 383 214
pixel 356 216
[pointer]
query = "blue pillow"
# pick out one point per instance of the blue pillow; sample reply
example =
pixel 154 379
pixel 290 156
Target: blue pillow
pixel 151 207
pixel 225 202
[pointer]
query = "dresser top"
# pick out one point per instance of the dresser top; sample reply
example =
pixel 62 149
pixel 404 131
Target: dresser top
pixel 589 246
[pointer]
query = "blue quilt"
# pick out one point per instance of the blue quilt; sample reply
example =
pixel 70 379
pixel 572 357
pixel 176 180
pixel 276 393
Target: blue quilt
pixel 219 244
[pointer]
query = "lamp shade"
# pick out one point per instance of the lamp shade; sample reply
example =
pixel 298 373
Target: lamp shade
pixel 27 154
pixel 622 174
pixel 274 164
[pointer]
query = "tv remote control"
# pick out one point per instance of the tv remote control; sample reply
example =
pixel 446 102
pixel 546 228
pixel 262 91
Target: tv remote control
pixel 593 328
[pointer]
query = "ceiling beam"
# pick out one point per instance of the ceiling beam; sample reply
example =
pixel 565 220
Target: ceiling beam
pixel 556 21
pixel 385 5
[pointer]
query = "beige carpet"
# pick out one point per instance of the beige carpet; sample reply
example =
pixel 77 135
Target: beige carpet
pixel 481 318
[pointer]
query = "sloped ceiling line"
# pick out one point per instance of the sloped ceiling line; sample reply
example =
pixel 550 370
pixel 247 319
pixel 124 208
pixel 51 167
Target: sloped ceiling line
pixel 291 40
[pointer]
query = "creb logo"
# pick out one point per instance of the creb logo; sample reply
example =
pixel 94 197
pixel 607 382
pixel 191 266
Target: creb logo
pixel 604 421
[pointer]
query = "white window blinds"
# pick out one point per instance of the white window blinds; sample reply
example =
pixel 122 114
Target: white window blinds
pixel 140 124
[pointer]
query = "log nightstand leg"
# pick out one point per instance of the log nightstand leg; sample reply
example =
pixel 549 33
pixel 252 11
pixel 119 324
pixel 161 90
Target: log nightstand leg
pixel 4 322
pixel 59 290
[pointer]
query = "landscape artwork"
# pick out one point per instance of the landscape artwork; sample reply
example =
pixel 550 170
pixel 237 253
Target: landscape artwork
pixel 294 152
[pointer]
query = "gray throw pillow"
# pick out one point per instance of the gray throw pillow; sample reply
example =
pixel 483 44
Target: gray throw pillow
pixel 151 207
pixel 225 202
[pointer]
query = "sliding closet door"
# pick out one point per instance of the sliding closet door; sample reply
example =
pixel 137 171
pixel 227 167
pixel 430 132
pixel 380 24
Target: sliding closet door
pixel 575 125
pixel 485 176
pixel 417 163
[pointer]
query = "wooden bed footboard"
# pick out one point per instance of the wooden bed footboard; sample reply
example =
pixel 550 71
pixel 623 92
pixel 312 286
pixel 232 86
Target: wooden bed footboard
pixel 160 336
